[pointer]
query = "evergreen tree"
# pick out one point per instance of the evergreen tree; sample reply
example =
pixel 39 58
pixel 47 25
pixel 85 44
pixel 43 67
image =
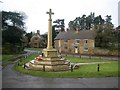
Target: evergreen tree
pixel 13 27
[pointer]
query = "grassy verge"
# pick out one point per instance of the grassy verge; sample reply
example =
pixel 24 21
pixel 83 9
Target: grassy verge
pixel 84 60
pixel 106 70
pixel 10 61
pixel 36 49
pixel 0 57
pixel 4 57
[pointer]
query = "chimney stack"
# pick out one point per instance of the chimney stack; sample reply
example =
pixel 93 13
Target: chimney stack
pixel 67 29
pixel 38 32
pixel 77 30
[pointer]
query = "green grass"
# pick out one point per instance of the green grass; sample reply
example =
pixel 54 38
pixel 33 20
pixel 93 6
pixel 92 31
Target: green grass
pixel 4 57
pixel 84 60
pixel 37 49
pixel 0 57
pixel 106 70
pixel 31 57
pixel 10 61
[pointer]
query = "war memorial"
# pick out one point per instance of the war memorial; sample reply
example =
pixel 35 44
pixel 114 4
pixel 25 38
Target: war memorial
pixel 49 60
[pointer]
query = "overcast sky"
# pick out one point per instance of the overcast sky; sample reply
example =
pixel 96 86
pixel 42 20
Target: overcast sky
pixel 63 9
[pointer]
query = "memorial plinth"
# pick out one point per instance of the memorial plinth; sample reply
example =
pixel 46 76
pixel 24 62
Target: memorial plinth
pixel 49 60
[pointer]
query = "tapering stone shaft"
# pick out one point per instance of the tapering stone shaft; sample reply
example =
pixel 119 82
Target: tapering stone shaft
pixel 49 43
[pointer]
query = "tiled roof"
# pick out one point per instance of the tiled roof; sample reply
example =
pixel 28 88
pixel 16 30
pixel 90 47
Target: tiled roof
pixel 83 34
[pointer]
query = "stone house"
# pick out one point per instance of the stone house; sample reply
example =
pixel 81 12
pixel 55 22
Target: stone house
pixel 79 41
pixel 35 41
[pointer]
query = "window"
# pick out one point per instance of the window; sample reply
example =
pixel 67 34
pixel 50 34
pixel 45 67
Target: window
pixel 76 47
pixel 85 44
pixel 66 41
pixel 85 48
pixel 77 41
pixel 59 43
pixel 86 41
pixel 36 38
pixel 65 46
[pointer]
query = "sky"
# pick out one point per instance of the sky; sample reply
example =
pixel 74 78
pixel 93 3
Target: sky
pixel 37 19
pixel 119 13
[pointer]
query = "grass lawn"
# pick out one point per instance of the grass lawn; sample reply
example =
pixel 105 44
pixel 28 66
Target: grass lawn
pixel 10 61
pixel 84 60
pixel 37 49
pixel 4 57
pixel 0 57
pixel 106 70
pixel 12 57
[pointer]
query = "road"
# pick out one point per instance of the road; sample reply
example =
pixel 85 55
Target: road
pixel 13 79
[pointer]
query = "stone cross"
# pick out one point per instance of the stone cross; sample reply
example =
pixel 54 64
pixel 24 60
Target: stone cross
pixel 50 13
pixel 49 44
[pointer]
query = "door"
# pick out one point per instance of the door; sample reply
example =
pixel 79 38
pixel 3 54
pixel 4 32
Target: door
pixel 76 49
pixel 35 45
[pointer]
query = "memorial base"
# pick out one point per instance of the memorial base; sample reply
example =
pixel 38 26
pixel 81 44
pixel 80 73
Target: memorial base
pixel 50 62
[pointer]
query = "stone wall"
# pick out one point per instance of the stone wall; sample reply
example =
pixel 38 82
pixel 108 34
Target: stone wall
pixel 105 52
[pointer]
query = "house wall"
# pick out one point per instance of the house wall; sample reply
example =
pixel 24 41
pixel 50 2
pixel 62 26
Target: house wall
pixel 70 45
pixel 90 45
pixel 35 43
pixel 59 45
